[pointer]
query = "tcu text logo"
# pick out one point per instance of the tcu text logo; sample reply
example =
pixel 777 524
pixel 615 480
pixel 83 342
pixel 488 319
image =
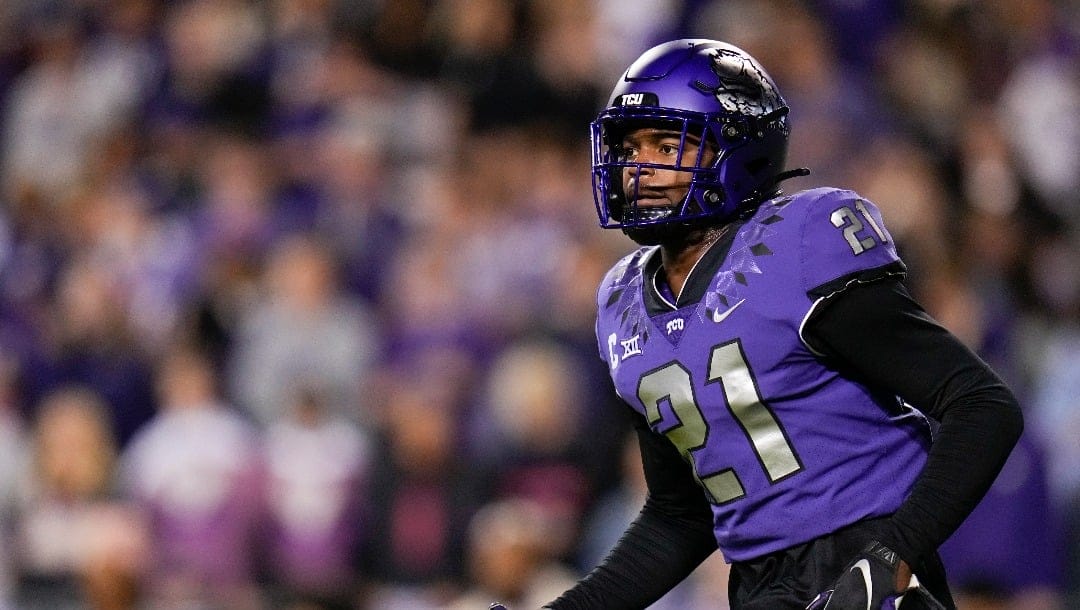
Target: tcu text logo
pixel 630 347
pixel 674 325
pixel 633 99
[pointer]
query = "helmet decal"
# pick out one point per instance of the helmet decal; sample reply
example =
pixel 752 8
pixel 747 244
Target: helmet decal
pixel 743 86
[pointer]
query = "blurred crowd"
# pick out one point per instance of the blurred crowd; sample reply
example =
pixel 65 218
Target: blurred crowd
pixel 297 296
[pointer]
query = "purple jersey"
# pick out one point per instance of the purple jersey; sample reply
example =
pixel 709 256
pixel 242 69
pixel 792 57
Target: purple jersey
pixel 785 447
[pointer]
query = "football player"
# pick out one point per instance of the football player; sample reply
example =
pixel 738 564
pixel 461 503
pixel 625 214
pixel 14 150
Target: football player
pixel 796 408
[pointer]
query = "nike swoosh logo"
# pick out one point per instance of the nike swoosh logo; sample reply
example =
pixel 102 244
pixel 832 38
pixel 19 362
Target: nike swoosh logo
pixel 864 566
pixel 720 316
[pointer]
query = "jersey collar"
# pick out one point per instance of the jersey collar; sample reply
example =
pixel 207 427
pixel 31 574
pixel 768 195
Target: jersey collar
pixel 658 296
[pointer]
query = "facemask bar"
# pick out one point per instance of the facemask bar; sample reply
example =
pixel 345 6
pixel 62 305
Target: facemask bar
pixel 616 208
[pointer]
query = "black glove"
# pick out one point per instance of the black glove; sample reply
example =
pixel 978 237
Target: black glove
pixel 869 583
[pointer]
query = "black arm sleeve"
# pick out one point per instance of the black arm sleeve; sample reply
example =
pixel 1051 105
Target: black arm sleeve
pixel 669 538
pixel 880 335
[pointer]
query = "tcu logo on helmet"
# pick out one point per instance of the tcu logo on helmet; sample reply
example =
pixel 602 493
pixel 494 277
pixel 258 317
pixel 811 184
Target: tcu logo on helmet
pixel 633 99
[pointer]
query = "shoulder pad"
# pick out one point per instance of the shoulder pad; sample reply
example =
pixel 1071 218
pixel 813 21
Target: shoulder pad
pixel 843 239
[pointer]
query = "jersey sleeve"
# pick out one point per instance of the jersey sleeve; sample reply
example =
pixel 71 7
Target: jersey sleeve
pixel 917 359
pixel 844 240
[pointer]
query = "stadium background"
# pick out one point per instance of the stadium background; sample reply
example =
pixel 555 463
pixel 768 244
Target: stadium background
pixel 296 296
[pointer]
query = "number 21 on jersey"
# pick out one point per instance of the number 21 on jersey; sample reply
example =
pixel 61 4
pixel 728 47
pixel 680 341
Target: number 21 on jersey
pixel 672 385
pixel 847 220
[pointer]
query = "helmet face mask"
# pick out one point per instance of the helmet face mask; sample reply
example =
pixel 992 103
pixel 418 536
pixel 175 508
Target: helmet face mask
pixel 707 93
pixel 611 168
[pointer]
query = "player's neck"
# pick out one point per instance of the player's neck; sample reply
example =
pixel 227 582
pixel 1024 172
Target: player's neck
pixel 679 259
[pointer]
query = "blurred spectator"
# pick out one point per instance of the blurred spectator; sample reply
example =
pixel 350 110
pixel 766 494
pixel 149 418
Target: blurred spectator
pixel 397 34
pixel 509 230
pixel 1043 130
pixel 212 70
pixel 485 63
pixel 359 209
pixel 89 341
pixel 235 213
pixel 1055 409
pixel 418 306
pixel 421 498
pixel 305 331
pixel 566 65
pixel 533 427
pixel 14 455
pixel 194 469
pixel 625 28
pixel 75 90
pixel 317 467
pixel 149 261
pixel 510 557
pixel 76 543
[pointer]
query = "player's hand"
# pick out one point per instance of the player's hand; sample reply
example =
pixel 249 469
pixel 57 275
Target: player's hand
pixel 868 582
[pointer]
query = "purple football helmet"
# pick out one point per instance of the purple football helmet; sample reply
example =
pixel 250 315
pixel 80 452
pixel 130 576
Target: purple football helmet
pixel 708 91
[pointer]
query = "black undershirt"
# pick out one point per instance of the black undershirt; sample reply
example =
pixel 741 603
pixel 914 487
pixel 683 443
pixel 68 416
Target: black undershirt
pixel 911 356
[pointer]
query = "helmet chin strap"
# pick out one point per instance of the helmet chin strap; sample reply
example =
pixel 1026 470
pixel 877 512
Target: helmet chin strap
pixel 665 233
